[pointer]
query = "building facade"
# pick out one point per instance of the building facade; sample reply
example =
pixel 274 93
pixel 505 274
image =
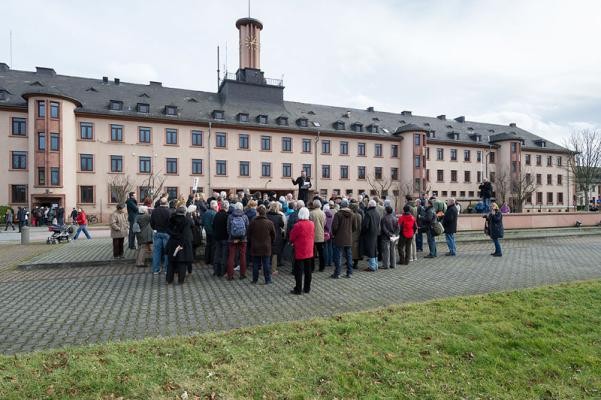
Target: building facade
pixel 72 141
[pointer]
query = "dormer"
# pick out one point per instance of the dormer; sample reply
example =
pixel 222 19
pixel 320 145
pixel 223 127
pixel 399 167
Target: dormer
pixel 357 127
pixel 442 117
pixel 431 134
pixel 460 119
pixel 143 108
pixel 242 117
pixel 281 120
pixel 116 105
pixel 217 114
pixel 170 110
pixel 408 113
pixel 453 135
pixel 261 119
pixel 540 143
pixel 373 128
pixel 302 122
pixel 144 95
pixel 476 137
pixel 339 125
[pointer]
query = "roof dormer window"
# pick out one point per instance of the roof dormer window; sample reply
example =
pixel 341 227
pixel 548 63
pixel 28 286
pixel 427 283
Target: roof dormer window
pixel 242 117
pixel 116 105
pixel 302 122
pixel 477 137
pixel 454 135
pixel 541 143
pixel 217 114
pixel 281 120
pixel 171 110
pixel 143 108
pixel 262 119
pixel 373 128
pixel 339 125
pixel 316 124
pixel 357 127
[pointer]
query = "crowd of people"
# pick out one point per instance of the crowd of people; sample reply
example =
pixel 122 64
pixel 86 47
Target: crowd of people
pixel 259 231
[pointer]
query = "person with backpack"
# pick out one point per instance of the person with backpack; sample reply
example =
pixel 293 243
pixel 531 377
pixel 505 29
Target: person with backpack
pixel 449 222
pixel 407 227
pixel 237 226
pixel 429 221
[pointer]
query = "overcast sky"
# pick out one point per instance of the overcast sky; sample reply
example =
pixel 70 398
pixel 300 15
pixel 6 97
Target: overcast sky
pixel 536 63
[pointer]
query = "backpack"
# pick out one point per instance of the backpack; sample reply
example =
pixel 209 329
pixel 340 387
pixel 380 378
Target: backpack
pixel 437 228
pixel 238 227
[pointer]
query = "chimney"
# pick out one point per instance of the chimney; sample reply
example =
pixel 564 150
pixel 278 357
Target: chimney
pixel 513 124
pixel 45 71
pixel 117 81
pixel 155 83
pixel 460 119
pixel 105 79
pixel 405 112
pixel 348 114
pixel 442 117
pixel 4 67
pixel 370 109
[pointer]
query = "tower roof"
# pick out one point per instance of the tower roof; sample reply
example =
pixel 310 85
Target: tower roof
pixel 249 21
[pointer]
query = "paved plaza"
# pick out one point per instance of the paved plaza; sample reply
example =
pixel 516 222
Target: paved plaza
pixel 49 308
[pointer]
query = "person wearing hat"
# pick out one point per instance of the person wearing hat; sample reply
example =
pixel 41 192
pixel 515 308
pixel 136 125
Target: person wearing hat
pixel 370 231
pixel 429 220
pixel 179 245
pixel 119 230
pixel 495 228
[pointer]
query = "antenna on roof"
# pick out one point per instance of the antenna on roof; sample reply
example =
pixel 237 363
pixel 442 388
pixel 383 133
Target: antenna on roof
pixel 248 8
pixel 11 48
pixel 225 58
pixel 218 68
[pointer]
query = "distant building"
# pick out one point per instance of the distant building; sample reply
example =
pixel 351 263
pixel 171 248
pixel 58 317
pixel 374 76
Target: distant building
pixel 66 138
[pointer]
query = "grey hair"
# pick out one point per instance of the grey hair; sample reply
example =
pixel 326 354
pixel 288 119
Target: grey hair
pixel 300 204
pixel 303 213
pixel 451 201
pixel 238 206
pixel 316 203
pixel 372 203
pixel 214 204
pixel 225 205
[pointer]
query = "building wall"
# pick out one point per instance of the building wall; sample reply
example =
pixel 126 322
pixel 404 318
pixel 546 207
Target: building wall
pixel 8 144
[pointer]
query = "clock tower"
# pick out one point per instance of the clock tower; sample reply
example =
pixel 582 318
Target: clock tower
pixel 250 43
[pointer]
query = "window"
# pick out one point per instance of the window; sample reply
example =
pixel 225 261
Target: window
pixel 262 119
pixel 86 162
pixel 439 175
pixel 144 135
pixel 302 122
pixel 467 155
pixel 479 176
pixel 196 166
pixel 514 147
pixel 549 179
pixel 19 127
pixel 171 110
pixel 170 136
pixel 559 165
pixel 144 192
pixel 86 194
pixel 41 141
pixel 243 141
pixel 171 165
pixel 41 176
pixel 417 139
pixel 265 143
pixel 394 150
pixel 549 161
pixel 559 179
pixel 116 105
pixel 143 108
pixel 471 193
pixel 144 165
pixel 287 144
pixel 560 198
pixel 394 174
pixel 528 178
pixel 491 157
pixel 539 160
pixel 196 138
pixel 41 109
pixel 539 197
pixel 54 142
pixel 428 175
pixel 287 170
pixel 539 179
pixel 361 172
pixel 550 198
pixel 218 114
pixel 427 153
pixel 54 109
pixel 220 140
pixel 528 160
pixel 242 117
pixel 453 175
pixel 244 168
pixel 378 172
pixel 19 160
pixel 467 176
pixel 344 172
pixel 514 166
pixel 307 169
pixel 18 193
pixel 221 167
pixel 282 120
pixel 417 161
pixel 439 154
pixel 55 176
pixel 325 171
pixel 86 131
pixel 306 145
pixel 116 163
pixel 172 191
pixel 478 157
pixel 378 150
pixel 360 149
pixel 325 147
pixel 266 169
pixel 453 154
pixel 116 133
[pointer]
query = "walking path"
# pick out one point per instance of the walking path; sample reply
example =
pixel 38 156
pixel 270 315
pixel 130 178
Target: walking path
pixel 50 308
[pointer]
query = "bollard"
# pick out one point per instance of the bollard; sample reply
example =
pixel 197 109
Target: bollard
pixel 25 235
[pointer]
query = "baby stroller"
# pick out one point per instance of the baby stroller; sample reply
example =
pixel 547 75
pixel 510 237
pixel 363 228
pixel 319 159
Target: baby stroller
pixel 60 233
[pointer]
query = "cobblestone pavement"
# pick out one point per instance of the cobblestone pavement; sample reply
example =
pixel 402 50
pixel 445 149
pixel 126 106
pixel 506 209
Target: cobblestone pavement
pixel 51 308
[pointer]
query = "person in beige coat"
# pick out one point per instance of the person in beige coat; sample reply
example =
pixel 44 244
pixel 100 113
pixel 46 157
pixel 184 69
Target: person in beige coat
pixel 119 230
pixel 319 220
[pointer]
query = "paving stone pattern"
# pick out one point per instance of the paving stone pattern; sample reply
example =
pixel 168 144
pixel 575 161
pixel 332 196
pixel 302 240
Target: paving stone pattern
pixel 50 308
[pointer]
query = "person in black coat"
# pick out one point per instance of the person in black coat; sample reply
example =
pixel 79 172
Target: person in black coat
pixel 486 193
pixel 277 218
pixel 449 223
pixel 494 228
pixel 370 230
pixel 179 245
pixel 132 213
pixel 304 184
pixel 220 237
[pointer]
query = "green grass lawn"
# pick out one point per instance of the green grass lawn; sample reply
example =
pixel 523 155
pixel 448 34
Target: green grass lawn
pixel 531 344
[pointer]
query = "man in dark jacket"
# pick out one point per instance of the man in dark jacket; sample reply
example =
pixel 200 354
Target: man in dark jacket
pixel 421 215
pixel 207 222
pixel 304 184
pixel 343 226
pixel 132 213
pixel 495 228
pixel 159 221
pixel 261 234
pixel 390 230
pixel 220 235
pixel 449 223
pixel 486 193
pixel 428 224
pixel 370 232
pixel 237 229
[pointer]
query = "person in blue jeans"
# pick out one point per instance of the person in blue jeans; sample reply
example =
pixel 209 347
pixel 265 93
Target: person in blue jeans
pixel 343 226
pixel 449 222
pixel 339 252
pixel 495 228
pixel 429 220
pixel 261 235
pixel 159 221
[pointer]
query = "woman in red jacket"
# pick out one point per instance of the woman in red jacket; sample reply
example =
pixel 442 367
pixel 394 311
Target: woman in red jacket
pixel 407 227
pixel 301 237
pixel 82 221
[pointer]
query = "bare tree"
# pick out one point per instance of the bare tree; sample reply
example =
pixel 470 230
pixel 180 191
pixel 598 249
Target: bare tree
pixel 153 184
pixel 380 186
pixel 400 190
pixel 585 159
pixel 501 185
pixel 120 185
pixel 522 187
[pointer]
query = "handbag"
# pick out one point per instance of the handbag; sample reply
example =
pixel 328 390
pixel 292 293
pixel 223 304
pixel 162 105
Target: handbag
pixel 136 228
pixel 437 228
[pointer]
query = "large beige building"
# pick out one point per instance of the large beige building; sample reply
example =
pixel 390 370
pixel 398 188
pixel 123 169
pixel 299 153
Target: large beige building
pixel 67 140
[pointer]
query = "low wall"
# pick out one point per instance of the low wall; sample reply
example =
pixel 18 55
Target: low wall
pixel 472 222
